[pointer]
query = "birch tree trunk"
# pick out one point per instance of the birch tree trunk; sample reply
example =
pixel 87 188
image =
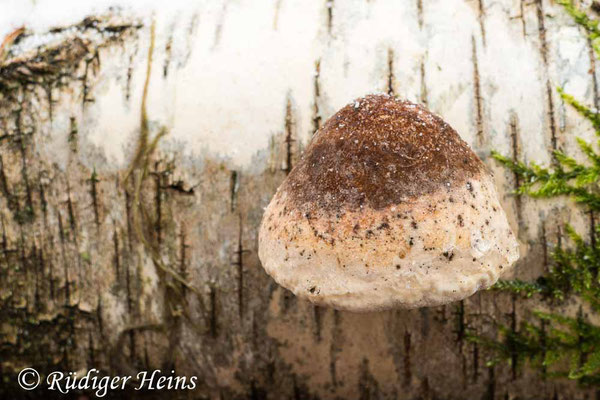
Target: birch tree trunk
pixel 139 146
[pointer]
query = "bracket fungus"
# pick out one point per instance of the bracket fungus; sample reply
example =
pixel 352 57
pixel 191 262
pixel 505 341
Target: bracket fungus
pixel 388 207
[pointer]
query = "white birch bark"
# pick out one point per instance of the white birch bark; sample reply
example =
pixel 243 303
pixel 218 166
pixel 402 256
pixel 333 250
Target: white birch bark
pixel 239 87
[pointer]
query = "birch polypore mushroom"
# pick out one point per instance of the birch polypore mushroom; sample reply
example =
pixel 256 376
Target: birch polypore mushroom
pixel 388 207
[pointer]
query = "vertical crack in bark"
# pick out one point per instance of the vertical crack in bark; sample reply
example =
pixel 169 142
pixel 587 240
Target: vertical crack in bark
pixel 239 263
pixel 73 134
pixel 289 135
pixel 334 348
pixel 213 324
pixel 117 260
pixel 316 117
pixel 28 213
pixel 93 61
pixel 367 384
pixel 168 54
pixel 318 318
pixel 542 31
pixel 183 268
pixel 38 270
pixel 43 200
pixel 234 185
pixel 390 72
pixel 128 78
pixel 481 18
pixel 128 219
pixel 553 138
pixel 287 300
pixel 420 13
pixel 475 359
pixel 407 356
pixel 94 194
pixel 71 212
pixel 441 314
pixel 544 241
pixel 425 317
pixel 74 230
pixel 544 54
pixel 158 205
pixel 61 235
pixel 515 144
pixel 220 22
pixel 423 95
pixel 48 90
pixel 477 96
pixel 460 331
pixel 99 319
pixel 329 6
pixel 514 353
pixel 523 23
pixel 50 274
pixel 543 345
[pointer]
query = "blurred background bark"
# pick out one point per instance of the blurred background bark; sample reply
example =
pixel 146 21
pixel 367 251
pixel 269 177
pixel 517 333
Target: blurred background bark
pixel 139 145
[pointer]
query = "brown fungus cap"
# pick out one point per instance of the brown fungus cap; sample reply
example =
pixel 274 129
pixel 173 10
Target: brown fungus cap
pixel 388 207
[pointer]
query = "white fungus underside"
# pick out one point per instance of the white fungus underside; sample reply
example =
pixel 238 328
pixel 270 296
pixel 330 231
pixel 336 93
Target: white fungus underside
pixel 461 247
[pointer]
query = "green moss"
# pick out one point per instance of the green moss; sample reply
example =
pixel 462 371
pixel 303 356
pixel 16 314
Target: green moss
pixel 560 345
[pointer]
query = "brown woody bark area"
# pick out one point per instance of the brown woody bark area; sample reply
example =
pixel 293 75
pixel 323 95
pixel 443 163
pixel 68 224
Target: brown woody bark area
pixel 89 277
